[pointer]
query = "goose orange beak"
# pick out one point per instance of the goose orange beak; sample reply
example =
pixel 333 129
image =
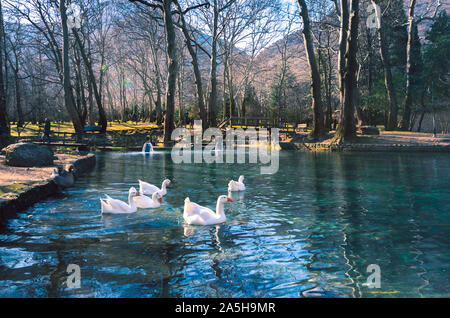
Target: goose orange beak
pixel 229 200
pixel 160 200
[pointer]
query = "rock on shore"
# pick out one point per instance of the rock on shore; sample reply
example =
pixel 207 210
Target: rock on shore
pixel 28 155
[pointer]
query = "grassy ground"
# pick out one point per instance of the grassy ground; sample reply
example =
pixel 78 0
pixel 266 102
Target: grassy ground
pixel 30 129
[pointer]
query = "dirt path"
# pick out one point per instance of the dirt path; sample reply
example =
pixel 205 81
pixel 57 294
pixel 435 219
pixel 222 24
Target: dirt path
pixel 412 139
pixel 10 175
pixel 393 141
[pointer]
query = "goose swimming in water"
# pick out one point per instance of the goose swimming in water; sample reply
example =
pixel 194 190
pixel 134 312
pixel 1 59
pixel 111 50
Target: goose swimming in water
pixel 237 185
pixel 114 206
pixel 149 189
pixel 144 202
pixel 199 215
pixel 63 178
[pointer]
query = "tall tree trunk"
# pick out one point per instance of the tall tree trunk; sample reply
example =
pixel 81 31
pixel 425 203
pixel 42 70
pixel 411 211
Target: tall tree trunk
pixel 325 69
pixel 404 123
pixel 121 95
pixel 158 103
pixel 68 93
pixel 318 129
pixel 91 118
pixel 171 69
pixel 150 106
pixel 422 115
pixel 197 74
pixel 390 87
pixel 110 99
pixel 233 109
pixel 357 101
pixel 180 93
pixel 101 111
pixel 370 70
pixel 18 97
pixel 79 89
pixel 226 109
pixel 329 87
pixel 212 103
pixel 346 129
pixel 4 124
pixel 344 20
pixel 101 79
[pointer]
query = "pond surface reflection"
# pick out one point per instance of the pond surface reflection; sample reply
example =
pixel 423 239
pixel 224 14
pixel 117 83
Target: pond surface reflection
pixel 310 230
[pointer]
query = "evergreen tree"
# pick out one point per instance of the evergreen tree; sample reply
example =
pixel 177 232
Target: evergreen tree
pixel 250 104
pixel 397 35
pixel 437 58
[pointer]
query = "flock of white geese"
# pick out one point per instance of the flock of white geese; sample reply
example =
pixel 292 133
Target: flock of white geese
pixel 150 197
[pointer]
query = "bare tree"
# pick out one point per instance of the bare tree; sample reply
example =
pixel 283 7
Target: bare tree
pixel 68 93
pixel 91 78
pixel 318 122
pixel 193 53
pixel 346 129
pixel 172 64
pixel 4 125
pixel 412 23
pixel 13 59
pixel 385 57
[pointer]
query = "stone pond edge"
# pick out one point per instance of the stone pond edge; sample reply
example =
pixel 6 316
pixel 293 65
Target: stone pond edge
pixel 363 147
pixel 42 190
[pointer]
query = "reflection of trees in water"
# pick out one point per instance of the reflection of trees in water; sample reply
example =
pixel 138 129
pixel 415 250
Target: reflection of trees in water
pixel 67 252
pixel 168 168
pixel 100 164
pixel 380 218
pixel 140 259
pixel 342 190
pixel 216 264
pixel 349 168
pixel 328 232
pixel 412 232
pixel 57 276
pixel 316 174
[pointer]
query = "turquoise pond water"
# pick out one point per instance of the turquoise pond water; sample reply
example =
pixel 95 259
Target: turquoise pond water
pixel 311 230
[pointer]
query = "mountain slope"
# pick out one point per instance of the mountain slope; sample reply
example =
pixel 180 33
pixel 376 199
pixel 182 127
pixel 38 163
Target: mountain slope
pixel 270 58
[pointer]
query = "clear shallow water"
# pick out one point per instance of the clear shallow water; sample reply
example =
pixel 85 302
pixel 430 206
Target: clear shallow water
pixel 310 230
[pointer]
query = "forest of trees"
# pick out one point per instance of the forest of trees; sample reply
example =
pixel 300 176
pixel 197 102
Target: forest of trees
pixel 321 62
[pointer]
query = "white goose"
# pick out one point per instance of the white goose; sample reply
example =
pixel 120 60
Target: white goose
pixel 237 185
pixel 147 188
pixel 144 202
pixel 110 205
pixel 200 215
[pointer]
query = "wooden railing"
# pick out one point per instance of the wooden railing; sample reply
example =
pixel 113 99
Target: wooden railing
pixel 62 138
pixel 261 122
pixel 246 122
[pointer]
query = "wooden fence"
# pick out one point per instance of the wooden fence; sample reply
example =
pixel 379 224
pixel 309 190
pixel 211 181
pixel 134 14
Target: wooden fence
pixel 261 122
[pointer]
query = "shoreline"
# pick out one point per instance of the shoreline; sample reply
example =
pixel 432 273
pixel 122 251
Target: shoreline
pixel 355 147
pixel 28 193
pixel 384 142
